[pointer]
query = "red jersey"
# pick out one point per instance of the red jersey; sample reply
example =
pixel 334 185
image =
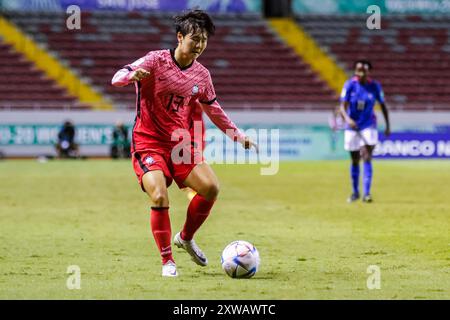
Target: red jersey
pixel 167 99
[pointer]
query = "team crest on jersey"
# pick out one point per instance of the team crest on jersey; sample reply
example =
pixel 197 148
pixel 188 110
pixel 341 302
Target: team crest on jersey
pixel 194 89
pixel 149 160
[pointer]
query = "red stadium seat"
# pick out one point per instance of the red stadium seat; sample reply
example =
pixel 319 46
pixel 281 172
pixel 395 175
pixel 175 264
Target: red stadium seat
pixel 24 87
pixel 411 56
pixel 272 77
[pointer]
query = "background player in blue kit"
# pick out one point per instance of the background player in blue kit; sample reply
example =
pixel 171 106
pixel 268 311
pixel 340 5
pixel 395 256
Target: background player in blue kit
pixel 358 98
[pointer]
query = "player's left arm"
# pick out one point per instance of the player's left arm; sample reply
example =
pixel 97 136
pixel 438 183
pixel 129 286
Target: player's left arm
pixel 384 109
pixel 224 123
pixel 345 103
pixel 212 108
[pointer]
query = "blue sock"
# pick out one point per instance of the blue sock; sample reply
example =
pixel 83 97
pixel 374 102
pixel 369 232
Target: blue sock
pixel 354 172
pixel 367 177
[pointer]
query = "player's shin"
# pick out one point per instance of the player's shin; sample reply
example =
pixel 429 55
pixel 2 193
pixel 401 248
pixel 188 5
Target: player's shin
pixel 354 173
pixel 198 210
pixel 160 224
pixel 367 177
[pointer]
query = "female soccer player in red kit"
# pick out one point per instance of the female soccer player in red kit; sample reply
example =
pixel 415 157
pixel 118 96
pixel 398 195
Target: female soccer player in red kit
pixel 170 85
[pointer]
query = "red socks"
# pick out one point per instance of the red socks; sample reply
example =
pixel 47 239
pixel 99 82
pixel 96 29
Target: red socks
pixel 198 210
pixel 160 224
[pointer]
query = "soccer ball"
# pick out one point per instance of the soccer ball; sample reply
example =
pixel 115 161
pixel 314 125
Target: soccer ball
pixel 240 259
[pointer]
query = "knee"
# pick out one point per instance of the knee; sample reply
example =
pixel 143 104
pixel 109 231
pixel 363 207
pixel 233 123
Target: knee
pixel 355 157
pixel 367 157
pixel 210 191
pixel 355 161
pixel 160 198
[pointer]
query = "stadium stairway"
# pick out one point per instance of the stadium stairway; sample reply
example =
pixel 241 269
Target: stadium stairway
pixel 38 94
pixel 252 68
pixel 305 46
pixel 410 54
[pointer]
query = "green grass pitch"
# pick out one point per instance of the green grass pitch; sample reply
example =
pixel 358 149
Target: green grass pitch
pixel 313 245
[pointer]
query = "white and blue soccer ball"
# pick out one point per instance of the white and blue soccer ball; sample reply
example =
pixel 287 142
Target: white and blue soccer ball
pixel 240 259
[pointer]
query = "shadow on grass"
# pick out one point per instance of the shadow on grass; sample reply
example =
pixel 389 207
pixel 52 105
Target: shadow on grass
pixel 260 275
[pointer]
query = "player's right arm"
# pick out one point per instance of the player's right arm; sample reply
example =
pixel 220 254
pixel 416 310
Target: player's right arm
pixel 345 102
pixel 343 109
pixel 136 71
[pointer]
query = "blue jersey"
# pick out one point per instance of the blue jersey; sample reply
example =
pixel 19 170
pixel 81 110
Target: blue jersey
pixel 362 99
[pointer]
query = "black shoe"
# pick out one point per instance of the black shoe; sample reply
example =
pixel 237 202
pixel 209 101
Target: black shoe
pixel 367 198
pixel 353 197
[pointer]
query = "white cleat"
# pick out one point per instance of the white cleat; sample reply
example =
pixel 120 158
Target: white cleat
pixel 191 247
pixel 169 269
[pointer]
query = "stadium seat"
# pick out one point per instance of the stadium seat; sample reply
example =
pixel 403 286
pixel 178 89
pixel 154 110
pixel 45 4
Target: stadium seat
pixel 410 54
pixel 250 66
pixel 22 86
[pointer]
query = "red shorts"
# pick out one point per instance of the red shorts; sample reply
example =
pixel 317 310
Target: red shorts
pixel 161 159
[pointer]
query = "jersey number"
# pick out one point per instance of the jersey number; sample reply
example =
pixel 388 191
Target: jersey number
pixel 361 105
pixel 175 102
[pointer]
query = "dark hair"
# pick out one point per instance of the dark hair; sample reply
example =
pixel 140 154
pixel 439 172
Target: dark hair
pixel 192 21
pixel 364 62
